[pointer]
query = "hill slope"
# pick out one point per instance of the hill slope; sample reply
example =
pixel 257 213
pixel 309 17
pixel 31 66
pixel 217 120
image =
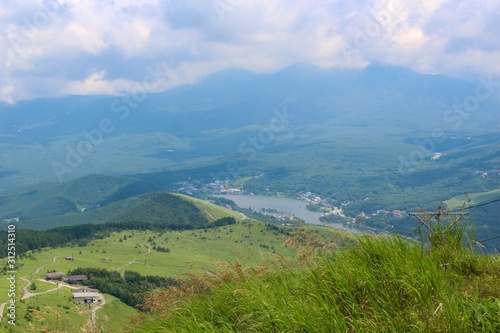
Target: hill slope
pixel 382 285
pixel 51 199
pixel 105 199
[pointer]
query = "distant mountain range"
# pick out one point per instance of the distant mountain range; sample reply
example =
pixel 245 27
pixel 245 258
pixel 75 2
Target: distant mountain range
pixel 230 99
pixel 214 117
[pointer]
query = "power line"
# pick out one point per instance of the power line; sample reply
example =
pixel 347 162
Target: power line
pixel 479 205
pixel 488 239
pixel 475 206
pixel 420 226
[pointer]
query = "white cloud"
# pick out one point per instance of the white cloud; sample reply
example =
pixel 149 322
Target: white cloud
pixel 86 47
pixel 133 38
pixel 84 39
pixel 96 83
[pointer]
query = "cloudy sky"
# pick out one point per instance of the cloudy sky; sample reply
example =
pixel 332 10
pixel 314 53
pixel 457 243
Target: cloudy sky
pixel 52 48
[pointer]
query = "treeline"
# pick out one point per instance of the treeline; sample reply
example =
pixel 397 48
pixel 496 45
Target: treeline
pixel 80 235
pixel 128 288
pixel 222 222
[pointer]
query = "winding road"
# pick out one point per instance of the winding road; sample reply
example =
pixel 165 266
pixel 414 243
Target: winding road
pixel 28 294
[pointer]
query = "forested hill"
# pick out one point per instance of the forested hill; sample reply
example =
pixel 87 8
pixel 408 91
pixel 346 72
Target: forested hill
pixel 151 211
pixel 81 194
pixel 100 199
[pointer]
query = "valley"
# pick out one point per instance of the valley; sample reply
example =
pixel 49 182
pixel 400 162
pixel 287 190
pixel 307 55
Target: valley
pixel 249 166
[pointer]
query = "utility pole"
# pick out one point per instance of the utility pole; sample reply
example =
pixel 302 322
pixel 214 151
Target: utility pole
pixel 437 215
pixel 424 217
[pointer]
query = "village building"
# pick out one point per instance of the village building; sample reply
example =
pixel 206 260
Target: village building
pixel 54 276
pixel 86 295
pixel 75 279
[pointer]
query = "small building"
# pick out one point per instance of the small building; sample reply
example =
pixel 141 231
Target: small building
pixel 54 276
pixel 75 279
pixel 86 297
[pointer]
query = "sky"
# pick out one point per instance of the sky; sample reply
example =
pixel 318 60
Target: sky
pixel 52 48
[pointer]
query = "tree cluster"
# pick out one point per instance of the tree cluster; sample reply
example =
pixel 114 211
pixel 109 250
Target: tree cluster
pixel 128 288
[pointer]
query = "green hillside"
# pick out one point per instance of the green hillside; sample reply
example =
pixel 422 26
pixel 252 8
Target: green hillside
pixel 105 199
pixel 53 312
pixel 189 252
pixel 212 212
pixel 156 207
pixel 484 206
pixel 162 208
pixel 385 284
pixel 151 211
pixel 71 197
pixel 472 199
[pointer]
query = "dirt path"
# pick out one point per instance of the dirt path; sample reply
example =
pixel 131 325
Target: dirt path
pixel 211 216
pixel 134 260
pixel 26 292
pixel 92 318
pixel 2 306
pixel 42 267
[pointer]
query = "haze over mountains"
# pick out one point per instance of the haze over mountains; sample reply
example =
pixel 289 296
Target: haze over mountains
pixel 211 118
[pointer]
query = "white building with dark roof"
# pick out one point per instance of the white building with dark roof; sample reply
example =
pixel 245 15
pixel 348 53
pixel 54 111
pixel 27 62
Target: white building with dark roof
pixel 86 295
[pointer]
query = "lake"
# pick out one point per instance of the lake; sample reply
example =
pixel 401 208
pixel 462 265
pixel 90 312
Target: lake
pixel 293 206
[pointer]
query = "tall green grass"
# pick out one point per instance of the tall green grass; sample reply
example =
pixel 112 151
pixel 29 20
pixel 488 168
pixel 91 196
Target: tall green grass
pixel 382 284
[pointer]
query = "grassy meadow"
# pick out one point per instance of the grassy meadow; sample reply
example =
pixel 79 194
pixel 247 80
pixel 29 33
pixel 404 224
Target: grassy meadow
pixel 212 212
pixel 475 198
pixel 385 284
pixel 192 251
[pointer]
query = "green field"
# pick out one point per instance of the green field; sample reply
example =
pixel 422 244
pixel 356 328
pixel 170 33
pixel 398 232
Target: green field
pixel 191 251
pixel 213 212
pixel 475 198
